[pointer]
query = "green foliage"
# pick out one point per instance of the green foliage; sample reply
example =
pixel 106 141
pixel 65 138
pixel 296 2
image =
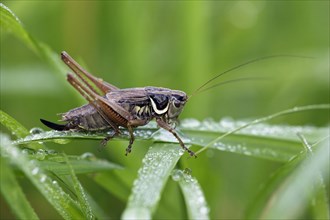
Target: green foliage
pixel 13 193
pixel 297 157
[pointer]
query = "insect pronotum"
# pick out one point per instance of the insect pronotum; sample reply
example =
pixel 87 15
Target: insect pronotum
pixel 111 108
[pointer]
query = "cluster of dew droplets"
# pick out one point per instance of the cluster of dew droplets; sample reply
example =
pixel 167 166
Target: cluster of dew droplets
pixel 39 134
pixel 228 125
pixel 152 176
pixel 193 192
pixel 154 169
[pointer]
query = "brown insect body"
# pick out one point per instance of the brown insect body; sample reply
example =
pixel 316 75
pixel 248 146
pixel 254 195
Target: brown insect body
pixel 136 101
pixel 113 107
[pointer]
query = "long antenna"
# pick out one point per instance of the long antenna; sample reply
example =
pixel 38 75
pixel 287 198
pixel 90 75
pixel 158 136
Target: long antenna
pixel 237 67
pixel 231 81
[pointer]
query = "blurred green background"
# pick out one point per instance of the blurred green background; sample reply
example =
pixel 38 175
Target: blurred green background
pixel 177 45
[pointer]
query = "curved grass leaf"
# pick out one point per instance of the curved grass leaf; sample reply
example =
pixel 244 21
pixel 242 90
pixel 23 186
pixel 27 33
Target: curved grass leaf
pixel 193 195
pixel 16 128
pixel 86 163
pixel 289 190
pixel 9 22
pixel 13 193
pixel 79 191
pixel 300 184
pixel 152 176
pixel 60 200
pixel 267 118
pixel 12 125
pixel 114 185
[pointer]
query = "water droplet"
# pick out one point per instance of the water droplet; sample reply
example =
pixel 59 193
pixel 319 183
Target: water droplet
pixel 35 171
pixel 36 130
pixel 190 123
pixel 87 156
pixel 61 141
pixel 204 210
pixel 201 200
pixel 177 175
pixel 43 178
pixel 40 155
pixel 51 152
pixel 25 151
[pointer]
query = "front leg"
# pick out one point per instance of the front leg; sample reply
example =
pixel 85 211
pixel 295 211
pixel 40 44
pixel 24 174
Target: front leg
pixel 131 140
pixel 167 127
pixel 130 125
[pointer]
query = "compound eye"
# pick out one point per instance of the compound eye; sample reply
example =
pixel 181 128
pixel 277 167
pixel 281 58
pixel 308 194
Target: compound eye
pixel 177 104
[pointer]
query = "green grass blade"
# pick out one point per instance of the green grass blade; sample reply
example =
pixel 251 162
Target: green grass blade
pixel 13 193
pixel 16 128
pixel 280 144
pixel 97 210
pixel 299 178
pixel 320 204
pixel 86 163
pixel 299 185
pixel 193 195
pixel 80 193
pixel 114 185
pixel 9 22
pixel 267 118
pixel 60 200
pixel 152 176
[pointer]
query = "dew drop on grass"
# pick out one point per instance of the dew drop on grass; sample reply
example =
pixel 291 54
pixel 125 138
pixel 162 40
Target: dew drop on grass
pixel 36 130
pixel 51 152
pixel 25 151
pixel 61 141
pixel 35 171
pixel 181 152
pixel 87 156
pixel 40 154
pixel 177 175
pixel 190 123
pixel 43 178
pixel 204 210
pixel 144 134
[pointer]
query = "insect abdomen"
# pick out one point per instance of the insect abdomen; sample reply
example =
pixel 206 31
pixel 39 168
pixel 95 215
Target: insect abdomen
pixel 85 117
